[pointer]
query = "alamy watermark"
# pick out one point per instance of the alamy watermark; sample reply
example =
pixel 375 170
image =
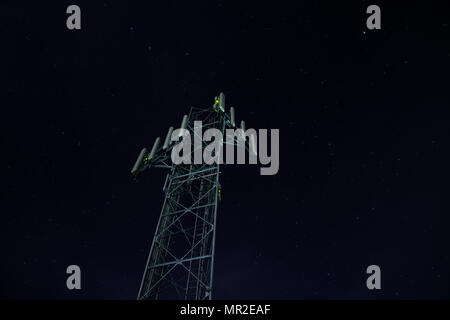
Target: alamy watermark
pixel 74 280
pixel 190 149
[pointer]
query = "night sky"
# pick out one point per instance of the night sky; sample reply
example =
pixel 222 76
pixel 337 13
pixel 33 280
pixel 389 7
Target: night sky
pixel 364 153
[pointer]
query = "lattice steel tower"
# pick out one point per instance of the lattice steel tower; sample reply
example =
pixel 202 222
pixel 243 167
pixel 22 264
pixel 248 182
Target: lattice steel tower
pixel 181 259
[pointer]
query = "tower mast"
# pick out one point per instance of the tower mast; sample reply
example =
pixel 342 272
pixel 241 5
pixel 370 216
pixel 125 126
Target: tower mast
pixel 180 264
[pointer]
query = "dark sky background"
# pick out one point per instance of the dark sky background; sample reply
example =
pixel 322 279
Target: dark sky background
pixel 364 158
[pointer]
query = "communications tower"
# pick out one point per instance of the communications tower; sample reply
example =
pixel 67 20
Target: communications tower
pixel 181 259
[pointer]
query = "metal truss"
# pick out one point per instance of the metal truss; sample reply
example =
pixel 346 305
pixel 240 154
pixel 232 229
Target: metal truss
pixel 181 259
